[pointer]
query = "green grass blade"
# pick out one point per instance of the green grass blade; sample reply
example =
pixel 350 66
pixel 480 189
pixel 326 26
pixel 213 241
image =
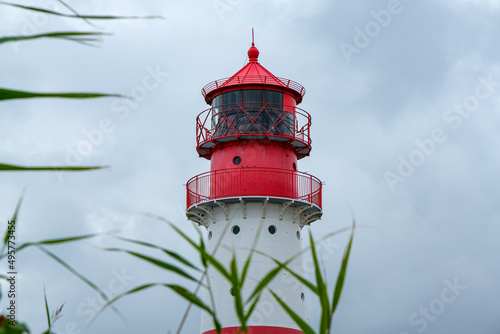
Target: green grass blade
pixel 47 309
pixel 9 94
pixel 217 265
pixel 322 289
pixel 16 168
pixel 74 36
pixel 341 277
pixel 172 254
pixel 58 241
pixel 129 292
pixel 303 280
pixel 236 291
pixel 73 271
pixel 14 218
pixel 189 296
pixel 75 12
pixel 251 308
pixel 12 226
pixel 80 276
pixel 193 299
pixel 110 303
pixel 265 282
pixel 76 15
pixel 156 262
pixel 295 317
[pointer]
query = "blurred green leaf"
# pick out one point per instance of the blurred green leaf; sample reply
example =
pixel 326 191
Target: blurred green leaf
pixel 157 262
pixel 47 310
pixel 13 222
pixel 76 15
pixel 298 320
pixel 58 241
pixel 8 94
pixel 192 298
pixel 173 254
pixel 84 37
pixel 17 328
pixel 342 272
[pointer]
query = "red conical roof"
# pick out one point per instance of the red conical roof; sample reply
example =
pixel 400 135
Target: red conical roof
pixel 256 75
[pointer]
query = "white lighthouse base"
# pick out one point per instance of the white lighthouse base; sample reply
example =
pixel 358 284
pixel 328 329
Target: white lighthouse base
pixel 233 226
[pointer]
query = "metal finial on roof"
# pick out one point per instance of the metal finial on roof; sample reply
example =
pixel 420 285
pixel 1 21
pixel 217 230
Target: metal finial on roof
pixel 253 44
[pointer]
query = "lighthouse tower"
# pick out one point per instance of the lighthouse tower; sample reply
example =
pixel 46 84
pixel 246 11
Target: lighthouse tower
pixel 254 196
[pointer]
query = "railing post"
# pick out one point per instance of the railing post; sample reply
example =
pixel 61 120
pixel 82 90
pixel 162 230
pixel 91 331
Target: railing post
pixel 310 188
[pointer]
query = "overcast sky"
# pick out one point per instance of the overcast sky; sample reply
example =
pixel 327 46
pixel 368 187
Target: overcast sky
pixel 404 98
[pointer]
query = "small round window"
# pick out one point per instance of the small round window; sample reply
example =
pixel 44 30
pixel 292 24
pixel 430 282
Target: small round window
pixel 236 160
pixel 209 235
pixel 298 235
pixel 235 229
pixel 294 166
pixel 272 229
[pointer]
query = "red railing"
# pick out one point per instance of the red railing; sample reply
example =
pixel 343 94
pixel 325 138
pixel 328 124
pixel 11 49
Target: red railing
pixel 254 79
pixel 249 182
pixel 237 119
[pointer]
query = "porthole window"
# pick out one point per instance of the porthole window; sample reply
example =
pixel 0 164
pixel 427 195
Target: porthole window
pixel 298 235
pixel 272 229
pixel 294 166
pixel 209 235
pixel 235 229
pixel 236 160
pixel 302 296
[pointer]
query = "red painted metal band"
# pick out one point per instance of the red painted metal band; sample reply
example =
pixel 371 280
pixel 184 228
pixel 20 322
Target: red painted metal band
pixel 258 330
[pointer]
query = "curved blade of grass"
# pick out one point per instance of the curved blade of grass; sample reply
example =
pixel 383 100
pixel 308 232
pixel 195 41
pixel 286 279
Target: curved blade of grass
pixel 343 269
pixel 236 290
pixel 157 262
pixel 84 37
pixel 58 241
pixel 76 15
pixel 251 308
pixel 173 254
pixel 75 12
pixel 295 317
pixel 14 218
pixel 265 282
pixel 134 290
pixel 189 296
pixel 192 298
pixel 9 94
pixel 252 251
pixel 17 168
pixel 81 277
pixel 13 221
pixel 322 289
pixel 47 309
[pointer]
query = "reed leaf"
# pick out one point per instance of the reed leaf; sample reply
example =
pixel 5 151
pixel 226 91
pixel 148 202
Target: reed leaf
pixel 17 168
pixel 192 298
pixel 157 262
pixel 58 240
pixel 9 94
pixel 47 309
pixel 172 254
pixel 76 15
pixel 82 37
pixel 342 272
pixel 13 221
pixel 298 320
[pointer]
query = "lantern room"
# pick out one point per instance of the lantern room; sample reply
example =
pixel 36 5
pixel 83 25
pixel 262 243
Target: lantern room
pixel 253 104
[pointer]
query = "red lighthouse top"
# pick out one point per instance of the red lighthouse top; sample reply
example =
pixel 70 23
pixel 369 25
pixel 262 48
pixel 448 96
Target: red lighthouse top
pixel 253 75
pixel 254 134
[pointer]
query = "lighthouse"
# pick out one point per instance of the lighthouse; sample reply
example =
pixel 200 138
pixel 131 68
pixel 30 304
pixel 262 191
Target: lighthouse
pixel 254 196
